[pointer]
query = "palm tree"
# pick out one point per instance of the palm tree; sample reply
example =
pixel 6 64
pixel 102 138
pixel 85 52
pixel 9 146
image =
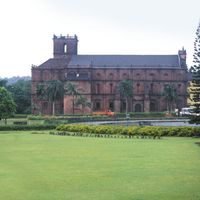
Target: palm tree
pixel 83 102
pixel 40 91
pixel 71 90
pixel 125 88
pixel 54 92
pixel 51 91
pixel 170 96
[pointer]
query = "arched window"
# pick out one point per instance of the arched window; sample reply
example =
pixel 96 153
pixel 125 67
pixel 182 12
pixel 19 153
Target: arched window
pixel 98 75
pixel 166 74
pixel 152 107
pixel 111 88
pixel 151 74
pixel 111 76
pixel 111 105
pixel 138 108
pixel 151 87
pixel 138 88
pixel 98 88
pixel 125 75
pixel 65 48
pixel 97 105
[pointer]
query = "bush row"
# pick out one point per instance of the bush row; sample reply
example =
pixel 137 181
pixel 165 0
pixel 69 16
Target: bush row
pixel 65 133
pixel 26 127
pixel 132 130
pixel 82 118
pixel 69 118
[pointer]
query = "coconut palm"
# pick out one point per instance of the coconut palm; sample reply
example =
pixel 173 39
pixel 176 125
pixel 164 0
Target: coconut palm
pixel 72 90
pixel 54 92
pixel 170 96
pixel 83 102
pixel 51 91
pixel 125 88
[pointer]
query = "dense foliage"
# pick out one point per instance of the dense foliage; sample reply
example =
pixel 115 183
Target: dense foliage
pixel 170 96
pixel 125 89
pixel 21 92
pixel 152 131
pixel 195 70
pixel 7 105
pixel 51 91
pixel 72 90
pixel 27 127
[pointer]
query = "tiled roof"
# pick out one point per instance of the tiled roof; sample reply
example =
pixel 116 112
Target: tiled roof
pixel 55 63
pixel 125 60
pixel 114 61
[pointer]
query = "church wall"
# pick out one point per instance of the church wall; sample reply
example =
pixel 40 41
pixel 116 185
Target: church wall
pixel 102 87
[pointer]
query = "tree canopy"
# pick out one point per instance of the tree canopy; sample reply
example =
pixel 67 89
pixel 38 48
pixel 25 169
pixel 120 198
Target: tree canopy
pixel 21 93
pixel 51 91
pixel 125 88
pixel 170 96
pixel 83 102
pixel 72 90
pixel 7 105
pixel 195 70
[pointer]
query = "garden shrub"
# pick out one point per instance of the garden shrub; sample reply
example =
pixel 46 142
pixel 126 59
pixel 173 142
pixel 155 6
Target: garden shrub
pixel 20 122
pixel 27 127
pixel 144 131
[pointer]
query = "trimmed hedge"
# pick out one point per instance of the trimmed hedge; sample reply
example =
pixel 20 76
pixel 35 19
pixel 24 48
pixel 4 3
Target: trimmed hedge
pixel 26 127
pixel 20 122
pixel 133 130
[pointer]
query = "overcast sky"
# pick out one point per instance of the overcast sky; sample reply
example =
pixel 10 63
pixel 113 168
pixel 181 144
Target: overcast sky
pixel 102 27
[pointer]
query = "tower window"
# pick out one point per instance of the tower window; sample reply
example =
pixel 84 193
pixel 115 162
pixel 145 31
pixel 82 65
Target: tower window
pixel 138 87
pixel 65 48
pixel 111 88
pixel 97 105
pixel 151 87
pixel 98 88
pixel 111 75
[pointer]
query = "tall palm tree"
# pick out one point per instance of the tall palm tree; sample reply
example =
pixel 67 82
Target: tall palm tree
pixel 51 91
pixel 170 96
pixel 72 90
pixel 83 102
pixel 125 88
pixel 55 91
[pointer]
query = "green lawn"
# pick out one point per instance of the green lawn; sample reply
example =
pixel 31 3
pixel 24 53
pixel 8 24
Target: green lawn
pixel 48 167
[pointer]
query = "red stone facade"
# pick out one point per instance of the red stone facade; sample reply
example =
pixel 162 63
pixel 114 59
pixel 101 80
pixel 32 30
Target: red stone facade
pixel 97 78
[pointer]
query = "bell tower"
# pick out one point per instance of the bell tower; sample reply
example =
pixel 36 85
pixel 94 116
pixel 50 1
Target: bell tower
pixel 182 57
pixel 64 45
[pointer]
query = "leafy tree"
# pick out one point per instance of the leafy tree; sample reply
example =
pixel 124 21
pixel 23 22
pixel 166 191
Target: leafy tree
pixel 3 83
pixel 51 91
pixel 170 96
pixel 83 102
pixel 21 92
pixel 72 90
pixel 195 70
pixel 125 88
pixel 7 105
pixel 41 91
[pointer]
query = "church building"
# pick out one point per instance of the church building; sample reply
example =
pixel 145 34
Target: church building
pixel 98 76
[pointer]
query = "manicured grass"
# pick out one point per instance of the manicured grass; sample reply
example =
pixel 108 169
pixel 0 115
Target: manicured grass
pixel 47 167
